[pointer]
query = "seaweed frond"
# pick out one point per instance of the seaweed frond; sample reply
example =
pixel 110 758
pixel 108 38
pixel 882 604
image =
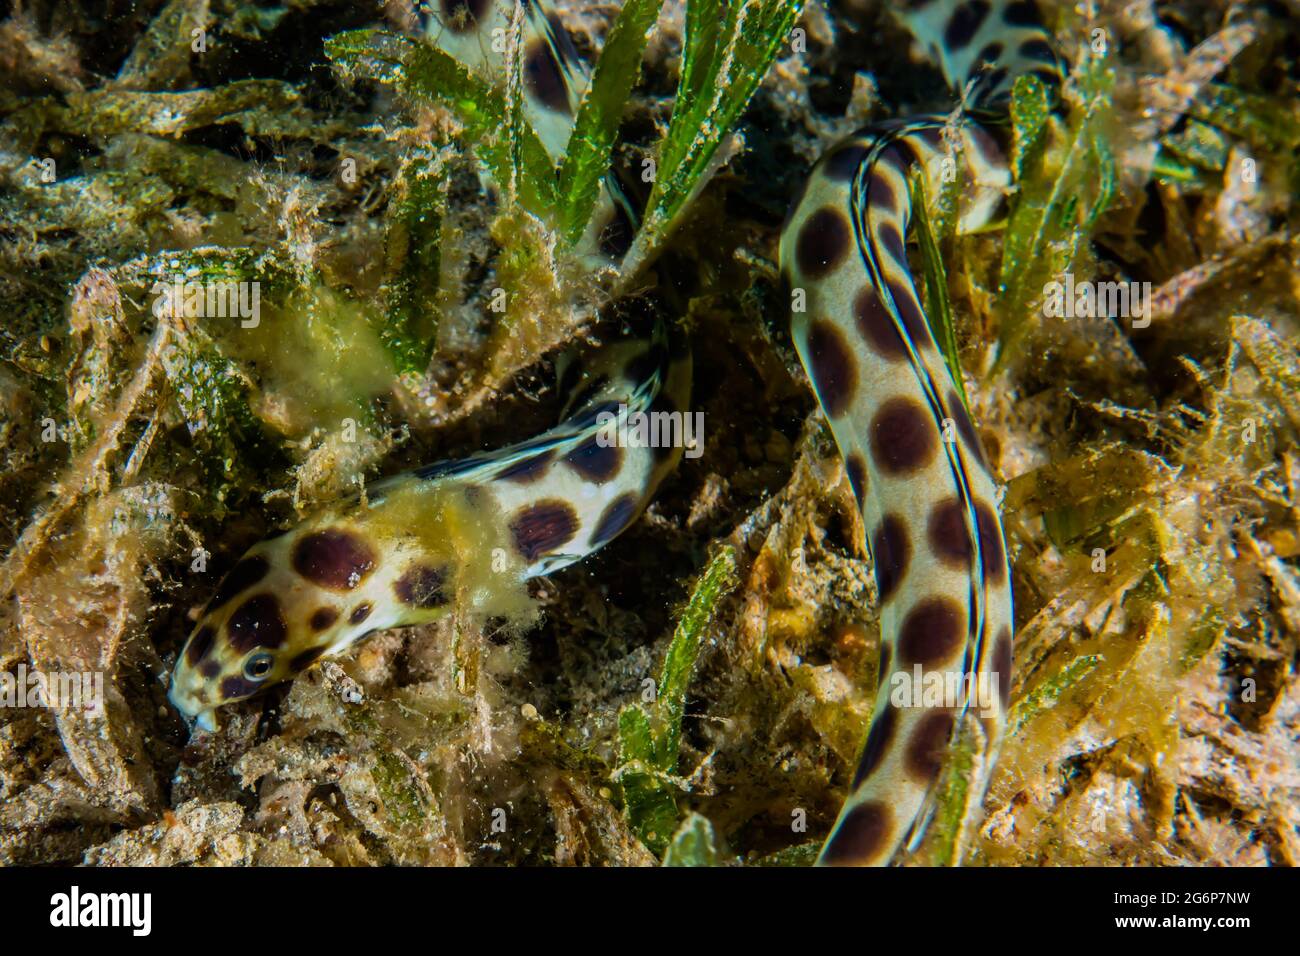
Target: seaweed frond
pixel 728 49
pixel 649 739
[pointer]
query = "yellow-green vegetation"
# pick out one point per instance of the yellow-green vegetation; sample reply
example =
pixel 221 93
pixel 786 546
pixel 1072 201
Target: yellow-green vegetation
pixel 595 130
pixel 696 694
pixel 650 740
pixel 517 160
pixel 726 50
pixel 1066 177
pixel 937 305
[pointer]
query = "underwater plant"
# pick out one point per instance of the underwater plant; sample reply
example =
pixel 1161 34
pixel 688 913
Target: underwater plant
pixel 261 259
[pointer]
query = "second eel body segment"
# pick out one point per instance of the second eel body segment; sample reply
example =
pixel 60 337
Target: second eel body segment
pixel 911 452
pixel 464 532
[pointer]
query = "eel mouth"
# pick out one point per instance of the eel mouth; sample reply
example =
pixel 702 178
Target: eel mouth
pixel 196 715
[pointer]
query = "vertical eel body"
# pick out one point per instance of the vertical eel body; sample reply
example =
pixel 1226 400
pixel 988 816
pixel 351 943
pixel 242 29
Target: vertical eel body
pixel 912 455
pixel 465 534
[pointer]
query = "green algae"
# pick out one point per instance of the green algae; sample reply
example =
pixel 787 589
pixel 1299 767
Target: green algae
pixel 414 249
pixel 591 147
pixel 1064 184
pixel 216 440
pixel 728 50
pixel 517 160
pixel 938 306
pixel 650 737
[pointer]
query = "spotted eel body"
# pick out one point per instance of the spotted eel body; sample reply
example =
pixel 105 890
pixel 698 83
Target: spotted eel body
pixel 465 534
pixel 911 453
pixel 460 534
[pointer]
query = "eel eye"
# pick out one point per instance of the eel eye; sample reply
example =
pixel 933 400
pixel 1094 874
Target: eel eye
pixel 258 666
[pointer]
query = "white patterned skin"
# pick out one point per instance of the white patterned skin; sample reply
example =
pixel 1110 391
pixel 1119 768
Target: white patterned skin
pixel 913 457
pixel 465 534
pixel 456 534
pixel 462 535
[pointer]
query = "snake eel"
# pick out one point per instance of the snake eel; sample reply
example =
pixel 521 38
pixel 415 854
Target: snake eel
pixel 447 535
